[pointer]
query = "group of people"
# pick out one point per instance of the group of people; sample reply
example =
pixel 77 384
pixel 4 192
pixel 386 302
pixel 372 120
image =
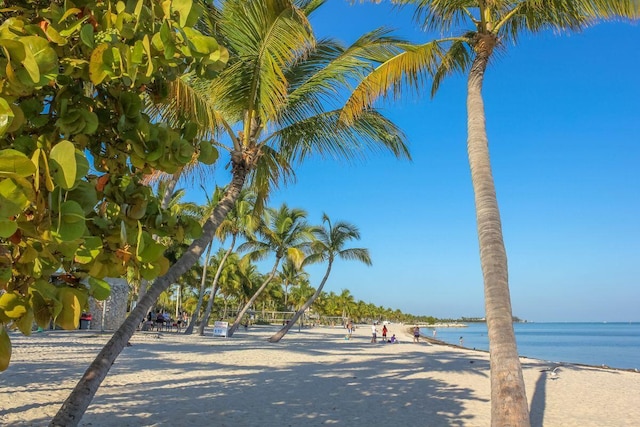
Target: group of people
pixel 163 320
pixel 374 335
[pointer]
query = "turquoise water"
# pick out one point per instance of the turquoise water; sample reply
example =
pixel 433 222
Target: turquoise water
pixel 613 344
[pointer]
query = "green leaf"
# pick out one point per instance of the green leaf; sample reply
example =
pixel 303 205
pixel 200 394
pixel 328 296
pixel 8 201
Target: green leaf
pixel 7 228
pixel 152 251
pixel 25 323
pixel 68 13
pixel 90 120
pixel 131 104
pixel 5 349
pixel 98 71
pixel 45 57
pixel 16 162
pixel 183 7
pixel 208 153
pixel 72 221
pixel 73 28
pixel 18 119
pixel 15 194
pixel 85 194
pixel 89 250
pixel 63 164
pixel 99 289
pixel 14 49
pixel 6 116
pixel 86 35
pixel 41 312
pixel 55 36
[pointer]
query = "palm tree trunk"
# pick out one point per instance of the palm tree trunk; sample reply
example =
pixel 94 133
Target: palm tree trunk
pixel 214 288
pixel 74 407
pixel 203 281
pixel 255 296
pixel 171 185
pixel 508 396
pixel 282 332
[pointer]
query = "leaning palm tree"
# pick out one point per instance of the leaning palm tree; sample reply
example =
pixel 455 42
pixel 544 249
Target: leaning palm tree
pixel 328 245
pixel 480 28
pixel 285 234
pixel 284 89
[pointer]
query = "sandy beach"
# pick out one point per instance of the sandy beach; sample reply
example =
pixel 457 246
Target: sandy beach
pixel 311 378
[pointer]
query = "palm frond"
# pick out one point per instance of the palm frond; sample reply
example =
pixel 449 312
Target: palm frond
pixel 266 36
pixel 457 59
pixel 331 70
pixel 440 15
pixel 356 254
pixel 411 68
pixel 562 16
pixel 326 136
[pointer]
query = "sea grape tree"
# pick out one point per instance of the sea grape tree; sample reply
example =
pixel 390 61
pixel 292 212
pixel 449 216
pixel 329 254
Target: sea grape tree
pixel 75 76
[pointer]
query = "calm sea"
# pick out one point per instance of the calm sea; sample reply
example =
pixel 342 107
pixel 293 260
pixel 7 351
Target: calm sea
pixel 613 344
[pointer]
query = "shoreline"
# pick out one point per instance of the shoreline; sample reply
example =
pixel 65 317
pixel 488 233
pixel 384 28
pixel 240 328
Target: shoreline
pixel 564 345
pixel 313 377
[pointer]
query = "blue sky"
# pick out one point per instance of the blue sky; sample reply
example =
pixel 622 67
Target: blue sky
pixel 563 120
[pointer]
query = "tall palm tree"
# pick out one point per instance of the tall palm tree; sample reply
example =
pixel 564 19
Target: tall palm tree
pixel 328 245
pixel 206 210
pixel 282 88
pixel 480 28
pixel 241 221
pixel 286 235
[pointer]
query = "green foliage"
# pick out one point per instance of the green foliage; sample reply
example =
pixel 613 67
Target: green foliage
pixel 75 77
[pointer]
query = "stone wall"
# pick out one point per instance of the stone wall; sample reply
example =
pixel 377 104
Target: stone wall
pixel 115 307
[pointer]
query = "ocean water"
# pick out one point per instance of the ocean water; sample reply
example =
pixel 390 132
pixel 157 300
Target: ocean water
pixel 616 345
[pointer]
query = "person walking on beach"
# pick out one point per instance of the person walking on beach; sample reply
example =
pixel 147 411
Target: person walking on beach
pixel 349 329
pixel 373 333
pixel 384 332
pixel 416 334
pixel 461 342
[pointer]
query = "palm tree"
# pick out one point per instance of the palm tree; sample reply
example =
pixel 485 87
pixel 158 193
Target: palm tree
pixel 285 234
pixel 278 87
pixel 229 282
pixel 328 245
pixel 346 302
pixel 300 294
pixel 290 275
pixel 480 28
pixel 240 222
pixel 206 213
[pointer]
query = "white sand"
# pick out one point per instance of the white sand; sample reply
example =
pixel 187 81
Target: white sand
pixel 311 378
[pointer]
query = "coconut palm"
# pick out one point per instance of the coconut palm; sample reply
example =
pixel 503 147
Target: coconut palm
pixel 282 89
pixel 300 294
pixel 240 222
pixel 480 28
pixel 206 211
pixel 285 234
pixel 229 282
pixel 290 275
pixel 329 244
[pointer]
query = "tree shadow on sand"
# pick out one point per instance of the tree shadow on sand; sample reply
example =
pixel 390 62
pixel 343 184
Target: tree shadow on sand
pixel 224 391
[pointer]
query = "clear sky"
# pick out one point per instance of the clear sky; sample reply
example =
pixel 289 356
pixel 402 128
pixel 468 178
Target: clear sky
pixel 563 120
